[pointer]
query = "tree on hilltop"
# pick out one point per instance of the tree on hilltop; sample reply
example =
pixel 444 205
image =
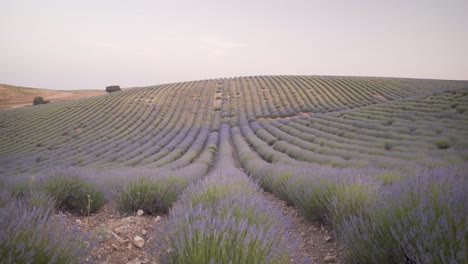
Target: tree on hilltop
pixel 39 100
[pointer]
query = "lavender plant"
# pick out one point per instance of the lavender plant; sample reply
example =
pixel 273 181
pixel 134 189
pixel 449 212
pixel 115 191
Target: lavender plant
pixel 70 188
pixel 5 196
pixel 388 177
pixel 214 223
pixel 442 143
pixel 274 181
pixel 420 219
pixel 353 196
pixel 30 234
pixel 37 198
pixel 153 193
pixel 21 185
pixel 210 190
pixel 322 193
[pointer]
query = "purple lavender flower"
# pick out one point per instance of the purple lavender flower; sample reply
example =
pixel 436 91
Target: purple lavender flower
pixel 30 234
pixel 224 219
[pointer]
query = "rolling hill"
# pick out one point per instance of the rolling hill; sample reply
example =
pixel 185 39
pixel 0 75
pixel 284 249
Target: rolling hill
pixel 339 121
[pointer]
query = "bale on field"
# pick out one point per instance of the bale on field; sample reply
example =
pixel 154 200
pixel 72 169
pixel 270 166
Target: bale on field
pixel 113 88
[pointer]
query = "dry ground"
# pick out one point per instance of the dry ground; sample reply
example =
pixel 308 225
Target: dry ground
pixel 15 96
pixel 115 235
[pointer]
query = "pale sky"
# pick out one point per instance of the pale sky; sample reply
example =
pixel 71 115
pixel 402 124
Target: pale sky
pixel 91 44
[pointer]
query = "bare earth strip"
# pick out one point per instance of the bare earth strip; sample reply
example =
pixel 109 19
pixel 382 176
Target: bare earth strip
pixel 115 236
pixel 15 96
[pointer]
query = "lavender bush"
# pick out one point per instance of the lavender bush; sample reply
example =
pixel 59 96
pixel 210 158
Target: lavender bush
pixel 311 194
pixel 72 190
pixel 352 196
pixel 420 219
pixel 442 143
pixel 210 190
pixel 214 223
pixel 388 177
pixel 37 198
pixel 273 181
pixel 5 196
pixel 152 192
pixel 21 185
pixel 30 234
pixel 321 193
pixel 412 216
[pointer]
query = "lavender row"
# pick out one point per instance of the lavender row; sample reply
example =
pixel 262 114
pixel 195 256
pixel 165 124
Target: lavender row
pixel 84 191
pixel 28 206
pixel 225 219
pixel 420 219
pixel 133 126
pixel 415 214
pixel 32 232
pixel 140 126
pixel 153 191
pixel 343 140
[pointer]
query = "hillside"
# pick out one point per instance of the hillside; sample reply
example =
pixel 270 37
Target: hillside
pixel 296 120
pixel 16 96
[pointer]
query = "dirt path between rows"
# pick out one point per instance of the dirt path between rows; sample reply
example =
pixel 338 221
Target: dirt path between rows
pixel 115 236
pixel 316 244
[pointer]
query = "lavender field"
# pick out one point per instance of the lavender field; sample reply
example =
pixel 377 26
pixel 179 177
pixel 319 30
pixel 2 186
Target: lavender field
pixel 381 161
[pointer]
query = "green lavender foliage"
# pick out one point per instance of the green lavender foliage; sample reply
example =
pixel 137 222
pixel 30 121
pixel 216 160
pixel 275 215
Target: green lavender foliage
pixel 31 233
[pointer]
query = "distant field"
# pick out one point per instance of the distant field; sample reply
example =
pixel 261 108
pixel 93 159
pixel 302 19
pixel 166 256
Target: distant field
pixel 383 158
pixel 339 121
pixel 16 96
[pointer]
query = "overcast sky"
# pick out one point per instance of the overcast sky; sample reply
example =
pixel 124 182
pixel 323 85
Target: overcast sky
pixel 91 44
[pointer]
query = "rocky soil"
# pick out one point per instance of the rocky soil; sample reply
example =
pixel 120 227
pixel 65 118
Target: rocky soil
pixel 120 239
pixel 133 239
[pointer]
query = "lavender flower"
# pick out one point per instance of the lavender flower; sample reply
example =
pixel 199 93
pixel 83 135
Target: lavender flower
pixel 420 219
pixel 224 219
pixel 30 234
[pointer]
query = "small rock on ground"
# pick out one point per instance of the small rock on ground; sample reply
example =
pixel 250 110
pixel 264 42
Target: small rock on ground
pixel 330 259
pixel 139 242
